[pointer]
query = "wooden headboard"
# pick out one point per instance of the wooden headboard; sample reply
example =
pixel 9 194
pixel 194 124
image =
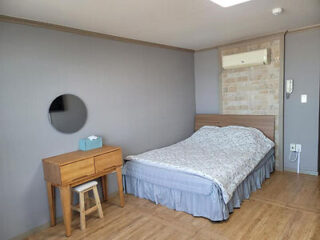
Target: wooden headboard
pixel 265 123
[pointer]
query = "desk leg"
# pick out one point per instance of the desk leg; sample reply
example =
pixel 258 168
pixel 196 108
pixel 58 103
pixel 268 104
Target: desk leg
pixel 65 196
pixel 52 203
pixel 120 186
pixel 104 181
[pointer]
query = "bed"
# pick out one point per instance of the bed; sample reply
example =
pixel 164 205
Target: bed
pixel 210 173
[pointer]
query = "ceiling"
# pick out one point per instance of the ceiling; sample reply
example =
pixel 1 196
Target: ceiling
pixel 192 24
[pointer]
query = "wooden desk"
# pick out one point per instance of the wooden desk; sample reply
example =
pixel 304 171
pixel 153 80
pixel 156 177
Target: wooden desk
pixel 70 169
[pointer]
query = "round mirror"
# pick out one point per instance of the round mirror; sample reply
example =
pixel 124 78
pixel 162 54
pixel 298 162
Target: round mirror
pixel 67 113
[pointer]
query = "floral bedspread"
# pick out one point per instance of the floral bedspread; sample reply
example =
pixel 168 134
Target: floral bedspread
pixel 225 155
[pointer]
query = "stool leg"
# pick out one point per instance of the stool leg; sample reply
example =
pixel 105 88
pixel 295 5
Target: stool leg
pixel 87 200
pixel 82 211
pixel 97 199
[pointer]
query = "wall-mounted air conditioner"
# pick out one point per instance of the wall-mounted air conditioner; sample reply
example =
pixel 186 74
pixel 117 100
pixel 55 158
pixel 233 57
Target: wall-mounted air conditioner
pixel 246 59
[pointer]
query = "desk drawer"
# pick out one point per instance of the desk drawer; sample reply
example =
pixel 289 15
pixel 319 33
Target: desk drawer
pixel 77 170
pixel 108 160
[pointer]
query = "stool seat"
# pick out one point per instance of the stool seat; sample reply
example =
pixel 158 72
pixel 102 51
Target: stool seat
pixel 85 186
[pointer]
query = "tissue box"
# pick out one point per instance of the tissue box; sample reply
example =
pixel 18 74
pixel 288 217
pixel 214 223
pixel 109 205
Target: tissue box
pixel 86 144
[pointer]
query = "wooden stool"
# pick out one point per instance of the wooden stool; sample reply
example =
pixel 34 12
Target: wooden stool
pixel 84 203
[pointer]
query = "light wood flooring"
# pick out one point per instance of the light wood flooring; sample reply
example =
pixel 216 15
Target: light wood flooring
pixel 287 207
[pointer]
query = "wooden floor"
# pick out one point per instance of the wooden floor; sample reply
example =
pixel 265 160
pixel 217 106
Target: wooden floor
pixel 287 207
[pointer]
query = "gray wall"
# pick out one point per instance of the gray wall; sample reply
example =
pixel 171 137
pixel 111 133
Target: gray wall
pixel 137 97
pixel 302 64
pixel 206 70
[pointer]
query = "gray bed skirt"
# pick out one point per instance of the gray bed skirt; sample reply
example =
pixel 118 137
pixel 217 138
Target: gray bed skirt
pixel 209 205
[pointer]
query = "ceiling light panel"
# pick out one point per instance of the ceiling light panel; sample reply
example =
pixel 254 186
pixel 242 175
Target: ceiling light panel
pixel 228 3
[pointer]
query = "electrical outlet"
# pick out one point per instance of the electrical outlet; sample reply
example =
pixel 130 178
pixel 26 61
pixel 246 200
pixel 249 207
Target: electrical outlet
pixel 292 147
pixel 298 147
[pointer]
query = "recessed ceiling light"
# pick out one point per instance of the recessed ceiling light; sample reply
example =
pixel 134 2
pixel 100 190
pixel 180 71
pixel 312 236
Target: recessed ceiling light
pixel 277 11
pixel 228 3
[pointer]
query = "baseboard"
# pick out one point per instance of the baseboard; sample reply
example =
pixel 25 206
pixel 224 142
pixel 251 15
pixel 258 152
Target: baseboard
pixel 47 225
pixel 302 171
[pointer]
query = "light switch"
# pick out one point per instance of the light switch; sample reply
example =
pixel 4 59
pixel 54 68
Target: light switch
pixel 304 98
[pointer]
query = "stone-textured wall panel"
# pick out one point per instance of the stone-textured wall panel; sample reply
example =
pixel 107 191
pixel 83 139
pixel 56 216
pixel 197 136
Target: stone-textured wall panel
pixel 253 90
